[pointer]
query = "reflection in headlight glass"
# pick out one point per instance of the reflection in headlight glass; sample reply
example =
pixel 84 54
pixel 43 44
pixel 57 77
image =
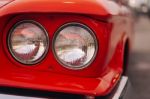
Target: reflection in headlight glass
pixel 28 42
pixel 75 46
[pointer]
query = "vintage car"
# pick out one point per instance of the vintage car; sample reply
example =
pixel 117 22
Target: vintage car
pixel 71 46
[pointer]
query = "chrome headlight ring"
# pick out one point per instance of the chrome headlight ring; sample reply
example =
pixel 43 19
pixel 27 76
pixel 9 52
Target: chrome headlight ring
pixel 75 46
pixel 28 42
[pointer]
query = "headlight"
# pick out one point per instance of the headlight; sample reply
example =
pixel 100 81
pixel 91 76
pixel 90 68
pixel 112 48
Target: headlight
pixel 75 46
pixel 28 42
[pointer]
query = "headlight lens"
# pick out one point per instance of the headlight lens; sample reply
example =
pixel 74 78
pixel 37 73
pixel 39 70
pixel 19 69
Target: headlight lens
pixel 28 42
pixel 75 46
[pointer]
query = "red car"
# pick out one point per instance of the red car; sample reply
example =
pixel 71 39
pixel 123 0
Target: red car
pixel 71 46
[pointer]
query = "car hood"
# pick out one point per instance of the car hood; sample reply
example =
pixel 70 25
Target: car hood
pixel 92 7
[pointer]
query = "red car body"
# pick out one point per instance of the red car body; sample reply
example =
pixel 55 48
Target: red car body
pixel 112 24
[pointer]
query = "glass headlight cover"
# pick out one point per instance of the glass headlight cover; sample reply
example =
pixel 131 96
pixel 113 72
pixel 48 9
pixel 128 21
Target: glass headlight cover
pixel 75 46
pixel 28 42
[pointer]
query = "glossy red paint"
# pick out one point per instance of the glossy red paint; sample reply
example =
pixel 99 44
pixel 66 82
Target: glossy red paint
pixel 3 3
pixel 52 6
pixel 112 31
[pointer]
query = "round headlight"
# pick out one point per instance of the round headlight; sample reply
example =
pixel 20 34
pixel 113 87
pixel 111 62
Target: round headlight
pixel 28 42
pixel 75 46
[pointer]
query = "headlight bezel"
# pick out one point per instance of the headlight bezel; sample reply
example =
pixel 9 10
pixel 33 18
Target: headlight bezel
pixel 91 32
pixel 10 49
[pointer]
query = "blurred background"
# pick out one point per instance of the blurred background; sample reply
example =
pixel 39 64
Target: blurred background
pixel 139 63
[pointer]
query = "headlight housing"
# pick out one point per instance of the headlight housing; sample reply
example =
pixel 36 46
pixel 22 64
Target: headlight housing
pixel 75 46
pixel 28 42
